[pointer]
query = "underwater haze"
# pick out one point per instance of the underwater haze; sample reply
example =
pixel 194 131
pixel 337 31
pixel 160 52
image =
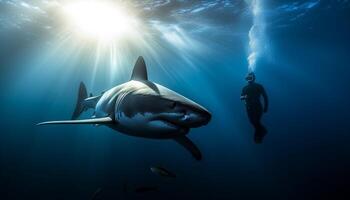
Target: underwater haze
pixel 299 51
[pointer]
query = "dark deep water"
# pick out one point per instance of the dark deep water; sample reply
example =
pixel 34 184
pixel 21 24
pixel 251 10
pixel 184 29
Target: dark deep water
pixel 305 155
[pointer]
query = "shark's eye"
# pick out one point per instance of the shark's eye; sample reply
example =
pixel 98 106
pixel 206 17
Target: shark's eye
pixel 173 105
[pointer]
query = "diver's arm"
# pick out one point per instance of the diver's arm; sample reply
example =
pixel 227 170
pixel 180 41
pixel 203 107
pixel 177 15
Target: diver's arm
pixel 266 100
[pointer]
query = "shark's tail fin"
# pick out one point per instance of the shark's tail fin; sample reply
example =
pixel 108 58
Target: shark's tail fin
pixel 80 107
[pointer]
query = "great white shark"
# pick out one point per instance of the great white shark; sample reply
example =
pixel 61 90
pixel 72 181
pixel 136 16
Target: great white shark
pixel 142 108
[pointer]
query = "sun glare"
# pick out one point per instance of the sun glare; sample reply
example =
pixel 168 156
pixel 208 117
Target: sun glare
pixel 101 20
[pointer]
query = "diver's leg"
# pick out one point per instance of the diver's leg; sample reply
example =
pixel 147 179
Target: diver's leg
pixel 262 128
pixel 255 114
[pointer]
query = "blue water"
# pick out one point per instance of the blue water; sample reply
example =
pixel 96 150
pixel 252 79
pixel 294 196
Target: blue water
pixel 304 71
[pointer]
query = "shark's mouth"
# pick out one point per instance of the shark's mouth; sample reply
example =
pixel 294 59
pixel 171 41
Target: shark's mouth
pixel 172 123
pixel 181 120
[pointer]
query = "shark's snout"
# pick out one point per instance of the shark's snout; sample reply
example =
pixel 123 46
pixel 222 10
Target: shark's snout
pixel 206 117
pixel 186 118
pixel 199 117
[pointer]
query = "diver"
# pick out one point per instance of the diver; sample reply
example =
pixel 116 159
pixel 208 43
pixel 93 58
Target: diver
pixel 251 94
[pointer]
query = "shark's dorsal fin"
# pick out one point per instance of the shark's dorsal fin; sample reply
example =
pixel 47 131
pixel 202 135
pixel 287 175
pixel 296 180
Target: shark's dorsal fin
pixel 139 72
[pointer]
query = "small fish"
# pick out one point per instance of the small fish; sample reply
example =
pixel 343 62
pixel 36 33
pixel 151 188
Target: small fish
pixel 96 193
pixel 146 189
pixel 162 172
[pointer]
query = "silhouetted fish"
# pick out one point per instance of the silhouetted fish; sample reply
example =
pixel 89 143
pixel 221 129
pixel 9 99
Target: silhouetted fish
pixel 162 172
pixel 96 193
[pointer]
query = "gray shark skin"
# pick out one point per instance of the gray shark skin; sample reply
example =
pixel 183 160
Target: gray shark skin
pixel 142 108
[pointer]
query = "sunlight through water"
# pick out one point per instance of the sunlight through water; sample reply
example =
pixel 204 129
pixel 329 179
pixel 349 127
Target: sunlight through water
pixel 117 33
pixel 102 20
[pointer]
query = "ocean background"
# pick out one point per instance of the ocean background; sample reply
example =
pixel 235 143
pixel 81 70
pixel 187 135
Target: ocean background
pixel 304 69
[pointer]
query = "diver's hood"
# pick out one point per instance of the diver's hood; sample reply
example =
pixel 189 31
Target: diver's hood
pixel 250 77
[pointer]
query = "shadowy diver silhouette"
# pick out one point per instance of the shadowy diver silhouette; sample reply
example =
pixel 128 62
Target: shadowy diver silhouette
pixel 251 94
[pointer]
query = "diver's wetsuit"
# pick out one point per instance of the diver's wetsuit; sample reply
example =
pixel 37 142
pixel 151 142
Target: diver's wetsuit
pixel 251 94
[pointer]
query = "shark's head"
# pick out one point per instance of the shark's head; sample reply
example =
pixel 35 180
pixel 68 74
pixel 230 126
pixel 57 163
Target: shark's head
pixel 156 111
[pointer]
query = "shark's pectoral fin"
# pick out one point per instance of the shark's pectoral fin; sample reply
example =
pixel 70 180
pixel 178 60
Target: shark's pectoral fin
pixel 190 146
pixel 104 120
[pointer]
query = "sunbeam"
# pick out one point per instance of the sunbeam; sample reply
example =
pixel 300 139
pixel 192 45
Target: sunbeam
pixel 118 34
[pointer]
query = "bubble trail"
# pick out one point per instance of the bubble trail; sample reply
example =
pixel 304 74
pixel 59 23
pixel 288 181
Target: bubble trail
pixel 256 34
